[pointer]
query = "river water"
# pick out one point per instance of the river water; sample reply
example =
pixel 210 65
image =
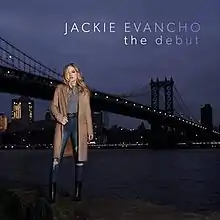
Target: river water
pixel 186 179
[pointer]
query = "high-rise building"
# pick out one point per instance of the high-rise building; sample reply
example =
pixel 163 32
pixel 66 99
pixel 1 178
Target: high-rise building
pixel 97 117
pixel 206 116
pixel 106 119
pixel 16 109
pixel 3 122
pixel 23 109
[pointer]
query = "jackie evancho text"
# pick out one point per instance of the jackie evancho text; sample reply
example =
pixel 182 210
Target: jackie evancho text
pixel 178 33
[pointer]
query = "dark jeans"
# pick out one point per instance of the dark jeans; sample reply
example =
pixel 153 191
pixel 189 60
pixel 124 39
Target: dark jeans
pixel 69 131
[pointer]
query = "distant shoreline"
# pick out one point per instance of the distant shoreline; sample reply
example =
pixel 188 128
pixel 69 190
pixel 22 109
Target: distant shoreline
pixel 117 148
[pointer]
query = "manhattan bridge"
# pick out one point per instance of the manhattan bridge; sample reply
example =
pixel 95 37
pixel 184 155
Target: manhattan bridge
pixel 166 112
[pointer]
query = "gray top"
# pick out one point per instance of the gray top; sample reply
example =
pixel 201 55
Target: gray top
pixel 73 101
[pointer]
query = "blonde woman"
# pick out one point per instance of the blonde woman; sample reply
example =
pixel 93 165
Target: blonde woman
pixel 71 108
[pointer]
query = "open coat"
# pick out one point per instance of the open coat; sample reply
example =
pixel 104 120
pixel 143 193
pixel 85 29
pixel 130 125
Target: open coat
pixel 85 128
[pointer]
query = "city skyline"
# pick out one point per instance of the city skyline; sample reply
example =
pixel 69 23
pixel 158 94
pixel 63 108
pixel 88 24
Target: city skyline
pixel 22 117
pixel 23 109
pixel 121 68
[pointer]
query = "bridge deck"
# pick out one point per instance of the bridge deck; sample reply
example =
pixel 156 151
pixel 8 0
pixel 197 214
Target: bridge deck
pixel 20 82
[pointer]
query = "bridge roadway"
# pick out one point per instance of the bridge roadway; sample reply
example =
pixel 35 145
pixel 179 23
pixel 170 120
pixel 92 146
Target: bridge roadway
pixel 18 82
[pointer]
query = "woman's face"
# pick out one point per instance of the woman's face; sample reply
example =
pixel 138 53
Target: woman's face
pixel 72 74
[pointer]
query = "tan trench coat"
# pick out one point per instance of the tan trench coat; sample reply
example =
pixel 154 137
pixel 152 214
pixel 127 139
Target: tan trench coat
pixel 85 128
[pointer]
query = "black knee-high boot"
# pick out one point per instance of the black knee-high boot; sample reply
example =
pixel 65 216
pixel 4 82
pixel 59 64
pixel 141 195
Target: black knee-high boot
pixel 78 181
pixel 53 180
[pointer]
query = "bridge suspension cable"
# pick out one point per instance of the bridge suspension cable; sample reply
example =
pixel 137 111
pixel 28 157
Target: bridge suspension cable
pixel 11 56
pixel 179 108
pixel 190 115
pixel 162 98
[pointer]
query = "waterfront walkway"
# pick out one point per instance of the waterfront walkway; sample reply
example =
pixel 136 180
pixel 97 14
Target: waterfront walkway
pixel 30 201
pixel 120 209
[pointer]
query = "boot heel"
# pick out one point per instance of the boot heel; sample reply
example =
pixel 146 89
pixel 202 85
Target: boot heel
pixel 78 192
pixel 52 192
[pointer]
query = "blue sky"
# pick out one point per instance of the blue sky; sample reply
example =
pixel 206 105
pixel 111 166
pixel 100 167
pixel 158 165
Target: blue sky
pixel 36 27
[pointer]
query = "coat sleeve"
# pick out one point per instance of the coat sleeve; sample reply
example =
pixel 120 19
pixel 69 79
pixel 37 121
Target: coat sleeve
pixel 89 115
pixel 54 107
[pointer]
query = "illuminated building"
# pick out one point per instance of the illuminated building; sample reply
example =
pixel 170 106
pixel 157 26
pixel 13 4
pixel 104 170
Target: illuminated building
pixel 3 122
pixel 23 110
pixel 206 116
pixel 97 126
pixel 16 109
pixel 31 110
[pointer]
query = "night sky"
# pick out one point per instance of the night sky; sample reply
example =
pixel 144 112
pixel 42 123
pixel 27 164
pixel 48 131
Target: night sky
pixel 37 28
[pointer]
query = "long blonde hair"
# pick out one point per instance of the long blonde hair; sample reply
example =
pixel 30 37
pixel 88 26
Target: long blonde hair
pixel 79 80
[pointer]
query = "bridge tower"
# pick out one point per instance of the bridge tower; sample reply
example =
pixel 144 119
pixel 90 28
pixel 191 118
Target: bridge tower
pixel 167 86
pixel 157 129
